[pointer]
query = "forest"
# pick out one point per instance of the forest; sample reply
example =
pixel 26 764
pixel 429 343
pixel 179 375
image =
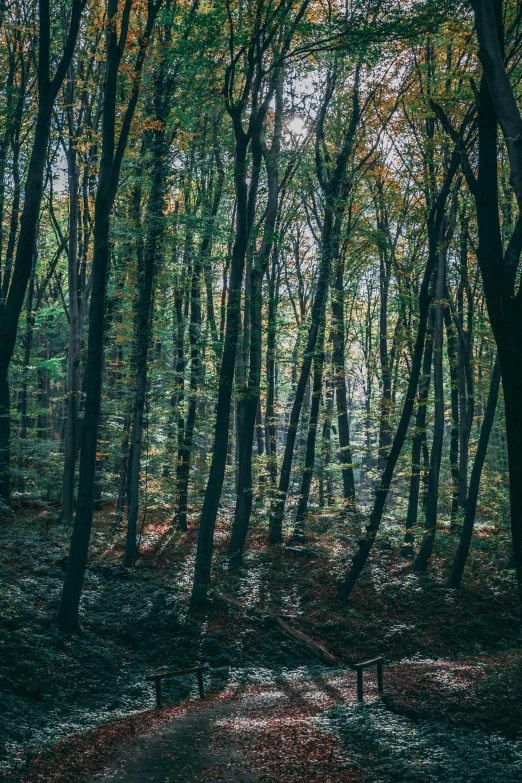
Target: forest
pixel 261 391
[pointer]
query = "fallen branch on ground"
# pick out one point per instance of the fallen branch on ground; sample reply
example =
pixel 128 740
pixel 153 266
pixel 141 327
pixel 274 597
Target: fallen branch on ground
pixel 317 649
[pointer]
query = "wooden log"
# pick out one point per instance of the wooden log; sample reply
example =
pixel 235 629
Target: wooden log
pixel 317 649
pixel 234 603
pixel 314 647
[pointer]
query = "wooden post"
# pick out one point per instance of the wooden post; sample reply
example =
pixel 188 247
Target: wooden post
pixel 359 684
pixel 200 684
pixel 379 677
pixel 159 701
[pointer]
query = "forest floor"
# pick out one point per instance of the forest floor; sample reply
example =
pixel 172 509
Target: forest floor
pixel 452 708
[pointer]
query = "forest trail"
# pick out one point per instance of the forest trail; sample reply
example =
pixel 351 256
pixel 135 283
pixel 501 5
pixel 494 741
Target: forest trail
pixel 261 733
pixel 311 731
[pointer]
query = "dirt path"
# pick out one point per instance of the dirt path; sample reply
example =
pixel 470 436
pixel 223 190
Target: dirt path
pixel 263 733
pixel 183 751
pixel 314 732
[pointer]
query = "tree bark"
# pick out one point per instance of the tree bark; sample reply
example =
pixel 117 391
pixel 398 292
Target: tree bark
pixel 459 562
pixel 249 401
pixel 332 184
pixel 110 164
pixel 454 395
pixel 5 443
pixel 73 358
pixel 419 438
pixel 306 481
pixel 14 285
pixel 339 350
pixel 438 427
pixel 147 262
pixel 270 416
pixel 498 103
pixel 381 493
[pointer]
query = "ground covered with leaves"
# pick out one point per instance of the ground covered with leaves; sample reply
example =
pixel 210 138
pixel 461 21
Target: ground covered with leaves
pixel 453 661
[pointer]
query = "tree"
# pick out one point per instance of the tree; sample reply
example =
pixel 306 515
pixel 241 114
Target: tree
pixel 15 281
pixel 110 165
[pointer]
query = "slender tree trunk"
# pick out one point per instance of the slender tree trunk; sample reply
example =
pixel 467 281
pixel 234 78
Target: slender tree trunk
pixel 466 411
pixel 249 401
pixel 381 493
pixel 326 446
pixel 278 504
pixel 306 481
pixel 457 569
pixel 48 89
pixel 333 184
pixel 454 393
pixel 184 454
pixel 123 464
pixel 73 359
pixel 146 278
pixel 259 434
pixel 226 375
pixel 270 416
pixel 426 548
pixel 498 104
pixel 419 439
pixel 345 452
pixel 28 342
pixel 42 420
pixel 5 442
pixel 246 197
pixel 385 434
pixel 110 164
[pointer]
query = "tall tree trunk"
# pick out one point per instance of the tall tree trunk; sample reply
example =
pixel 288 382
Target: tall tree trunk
pixel 226 375
pixel 345 452
pixel 466 411
pixel 333 184
pixel 270 415
pixel 5 443
pixel 201 263
pixel 110 165
pixel 385 434
pixel 306 481
pixel 28 342
pixel 498 103
pixel 277 509
pixel 459 562
pixel 419 439
pixel 146 278
pixel 123 466
pixel 184 453
pixel 438 427
pixel 73 358
pixel 246 197
pixel 249 401
pixel 48 89
pixel 454 394
pixel 381 493
pixel 185 450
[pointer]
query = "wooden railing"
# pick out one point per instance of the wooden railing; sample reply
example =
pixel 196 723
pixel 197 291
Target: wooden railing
pixel 360 667
pixel 197 670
